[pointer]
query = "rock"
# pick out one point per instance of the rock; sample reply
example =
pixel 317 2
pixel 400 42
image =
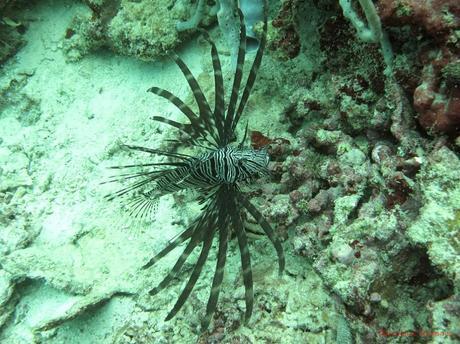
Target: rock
pixel 343 253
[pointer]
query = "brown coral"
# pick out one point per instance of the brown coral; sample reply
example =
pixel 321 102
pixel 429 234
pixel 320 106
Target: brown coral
pixel 289 39
pixel 437 97
pixel 437 17
pixel 437 100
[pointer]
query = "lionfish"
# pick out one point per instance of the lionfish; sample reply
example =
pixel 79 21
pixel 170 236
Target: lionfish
pixel 217 174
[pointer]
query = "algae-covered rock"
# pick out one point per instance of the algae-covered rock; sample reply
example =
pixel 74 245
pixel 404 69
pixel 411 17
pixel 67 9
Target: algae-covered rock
pixel 445 316
pixel 10 31
pixel 6 288
pixel 14 171
pixel 6 291
pixel 145 29
pixel 438 226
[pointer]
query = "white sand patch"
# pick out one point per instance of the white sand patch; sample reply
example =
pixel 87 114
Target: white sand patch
pixel 84 248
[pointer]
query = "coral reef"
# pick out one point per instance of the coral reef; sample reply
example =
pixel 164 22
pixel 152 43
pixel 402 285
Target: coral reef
pixel 370 31
pixel 253 11
pixel 438 18
pixel 364 185
pixel 195 20
pixel 364 182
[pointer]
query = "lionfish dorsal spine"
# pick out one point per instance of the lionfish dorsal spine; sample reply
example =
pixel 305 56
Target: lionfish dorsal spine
pixel 206 123
pixel 252 73
pixel 228 132
pixel 219 99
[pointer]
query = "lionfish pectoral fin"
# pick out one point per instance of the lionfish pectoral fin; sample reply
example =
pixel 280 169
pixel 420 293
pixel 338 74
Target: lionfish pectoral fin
pixel 195 234
pixel 245 265
pixel 218 276
pixel 267 229
pixel 208 238
pixel 184 236
pixel 175 270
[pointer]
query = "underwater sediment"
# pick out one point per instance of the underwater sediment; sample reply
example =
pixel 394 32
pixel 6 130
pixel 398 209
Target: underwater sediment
pixel 365 172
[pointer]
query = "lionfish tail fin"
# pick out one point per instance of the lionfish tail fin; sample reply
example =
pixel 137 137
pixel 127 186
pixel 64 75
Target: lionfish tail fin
pixel 143 207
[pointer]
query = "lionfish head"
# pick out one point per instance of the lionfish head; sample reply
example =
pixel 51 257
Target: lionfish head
pixel 254 162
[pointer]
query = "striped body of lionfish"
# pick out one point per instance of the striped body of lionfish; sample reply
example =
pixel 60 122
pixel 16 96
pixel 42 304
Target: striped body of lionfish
pixel 216 174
